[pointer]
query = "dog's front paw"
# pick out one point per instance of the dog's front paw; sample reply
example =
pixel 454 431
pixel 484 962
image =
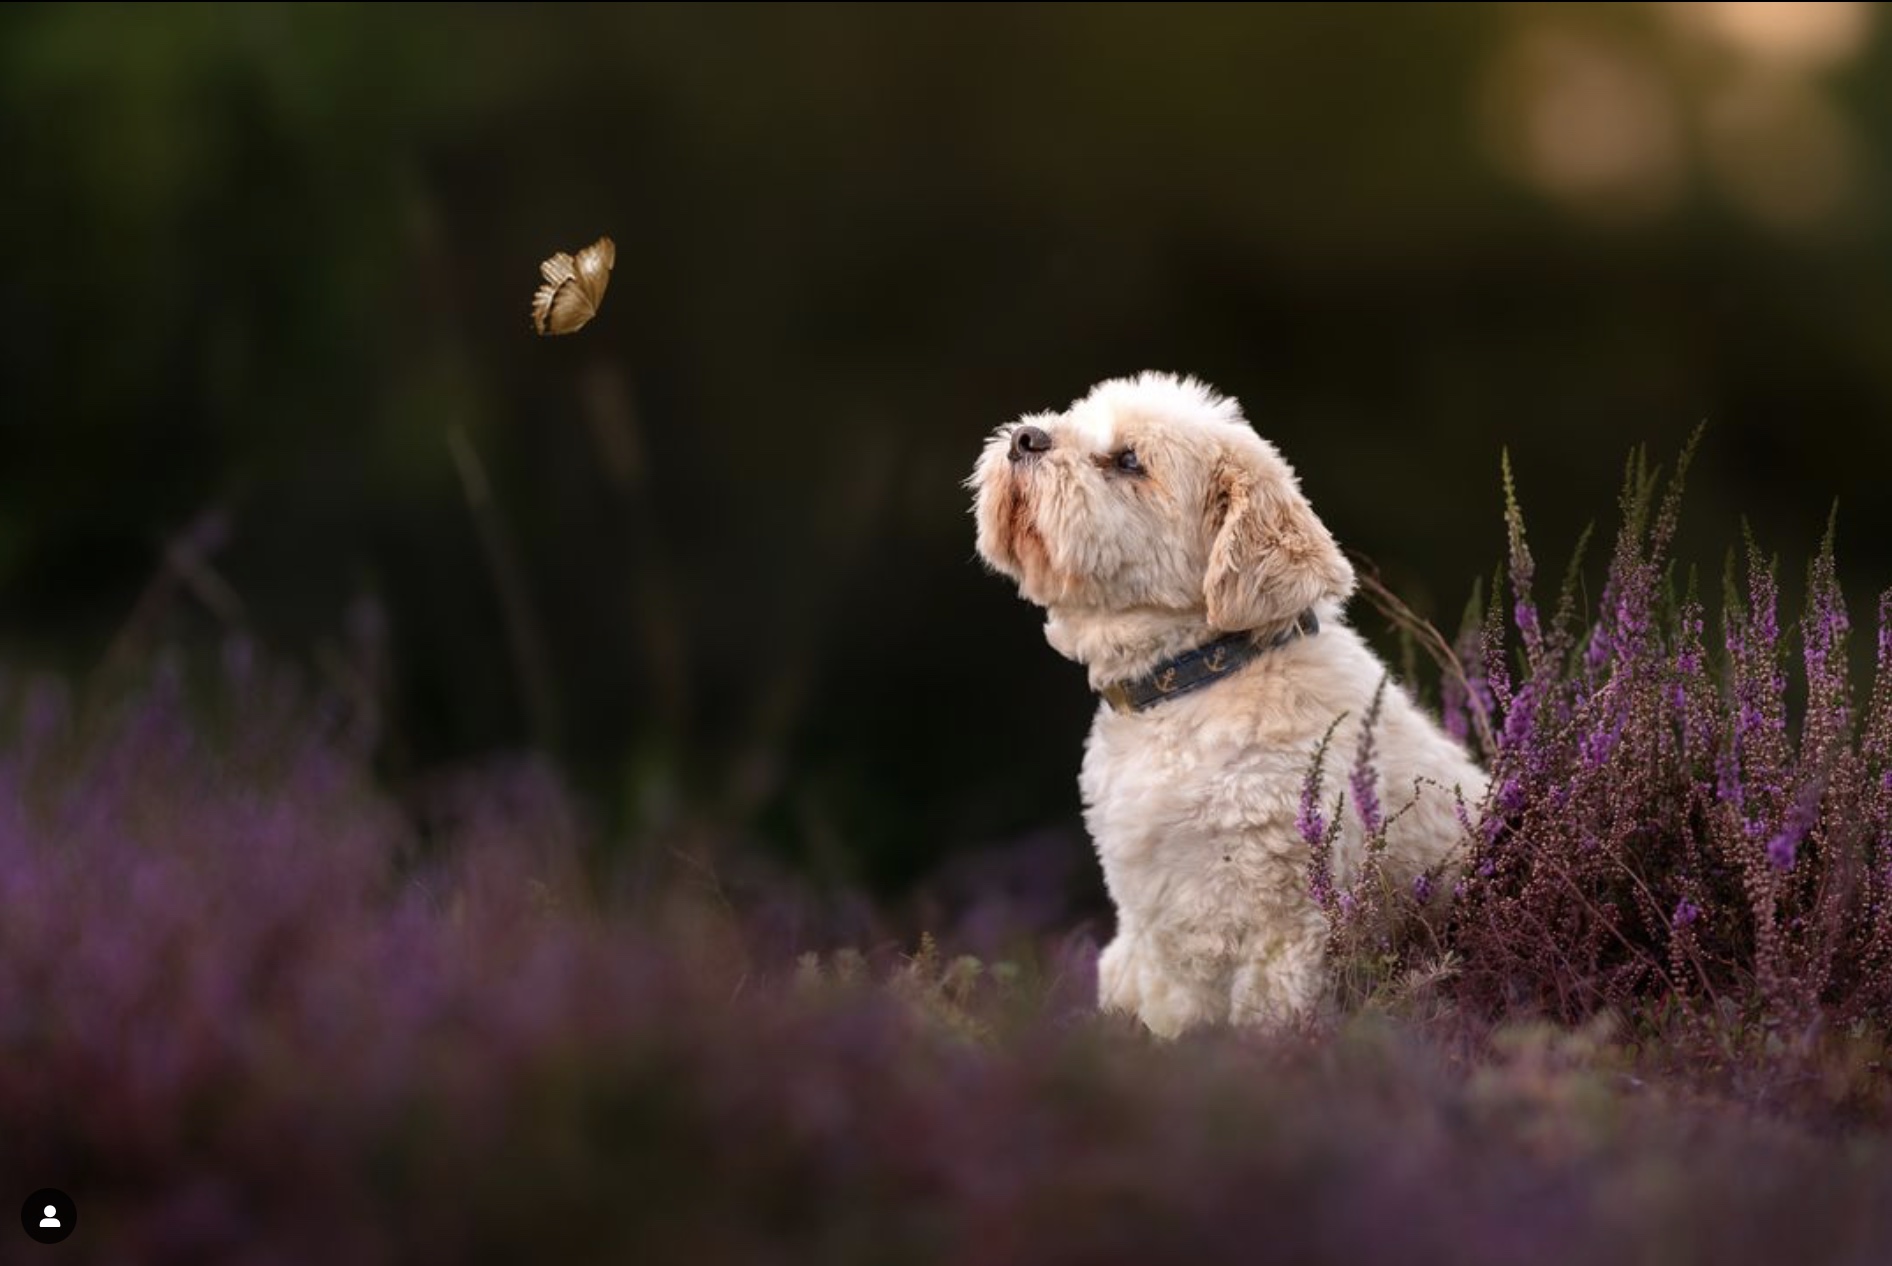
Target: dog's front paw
pixel 1117 977
pixel 1281 987
pixel 1131 979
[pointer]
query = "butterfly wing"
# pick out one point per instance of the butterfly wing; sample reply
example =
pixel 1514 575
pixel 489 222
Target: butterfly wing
pixel 551 313
pixel 573 288
pixel 594 265
pixel 570 309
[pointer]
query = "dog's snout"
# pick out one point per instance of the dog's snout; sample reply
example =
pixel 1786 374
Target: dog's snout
pixel 1028 442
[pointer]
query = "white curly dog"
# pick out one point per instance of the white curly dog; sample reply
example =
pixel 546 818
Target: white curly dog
pixel 1178 561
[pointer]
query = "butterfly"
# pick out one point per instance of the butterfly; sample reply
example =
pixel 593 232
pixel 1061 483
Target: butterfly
pixel 573 288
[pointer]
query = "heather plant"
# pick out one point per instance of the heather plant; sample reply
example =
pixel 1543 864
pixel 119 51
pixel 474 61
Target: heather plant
pixel 1670 832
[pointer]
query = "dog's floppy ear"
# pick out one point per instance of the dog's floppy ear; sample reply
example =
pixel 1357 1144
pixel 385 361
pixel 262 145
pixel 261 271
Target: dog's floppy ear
pixel 1271 558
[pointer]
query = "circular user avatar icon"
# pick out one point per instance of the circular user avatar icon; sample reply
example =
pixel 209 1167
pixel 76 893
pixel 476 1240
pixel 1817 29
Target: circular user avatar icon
pixel 48 1215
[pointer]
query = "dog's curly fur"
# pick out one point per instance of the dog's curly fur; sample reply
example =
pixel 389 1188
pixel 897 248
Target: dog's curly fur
pixel 1192 802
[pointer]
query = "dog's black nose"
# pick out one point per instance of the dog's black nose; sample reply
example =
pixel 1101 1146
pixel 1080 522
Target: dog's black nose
pixel 1029 441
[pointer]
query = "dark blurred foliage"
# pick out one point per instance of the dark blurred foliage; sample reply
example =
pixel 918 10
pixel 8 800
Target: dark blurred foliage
pixel 271 264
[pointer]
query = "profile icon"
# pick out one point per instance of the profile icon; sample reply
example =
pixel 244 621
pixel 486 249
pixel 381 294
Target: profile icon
pixel 48 1216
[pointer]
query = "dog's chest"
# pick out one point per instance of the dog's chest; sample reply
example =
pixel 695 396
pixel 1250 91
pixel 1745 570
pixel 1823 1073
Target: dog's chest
pixel 1175 806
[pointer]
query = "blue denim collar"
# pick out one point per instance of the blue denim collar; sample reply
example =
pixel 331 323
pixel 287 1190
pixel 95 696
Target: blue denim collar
pixel 1195 669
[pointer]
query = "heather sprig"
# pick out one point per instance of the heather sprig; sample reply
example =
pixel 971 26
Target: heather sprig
pixel 1318 830
pixel 1364 778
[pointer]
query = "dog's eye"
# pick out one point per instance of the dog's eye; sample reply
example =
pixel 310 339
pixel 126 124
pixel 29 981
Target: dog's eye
pixel 1128 463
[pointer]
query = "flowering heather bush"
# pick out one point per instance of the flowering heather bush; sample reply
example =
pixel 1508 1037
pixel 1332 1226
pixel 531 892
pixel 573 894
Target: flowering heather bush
pixel 1666 829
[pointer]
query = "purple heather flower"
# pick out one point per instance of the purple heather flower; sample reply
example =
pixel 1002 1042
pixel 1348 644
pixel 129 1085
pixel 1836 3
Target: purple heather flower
pixel 1688 663
pixel 1523 571
pixel 1464 815
pixel 1632 622
pixel 1687 667
pixel 1309 821
pixel 1828 629
pixel 1686 912
pixel 1524 615
pixel 1763 602
pixel 1519 718
pixel 1422 888
pixel 1597 653
pixel 1782 848
pixel 1728 780
pixel 1315 827
pixel 1750 720
pixel 1823 636
pixel 1366 796
pixel 1597 745
pixel 1785 844
pixel 1497 667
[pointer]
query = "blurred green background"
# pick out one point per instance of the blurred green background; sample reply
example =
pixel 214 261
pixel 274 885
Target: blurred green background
pixel 267 268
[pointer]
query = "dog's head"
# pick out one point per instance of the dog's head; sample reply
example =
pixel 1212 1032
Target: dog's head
pixel 1153 493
